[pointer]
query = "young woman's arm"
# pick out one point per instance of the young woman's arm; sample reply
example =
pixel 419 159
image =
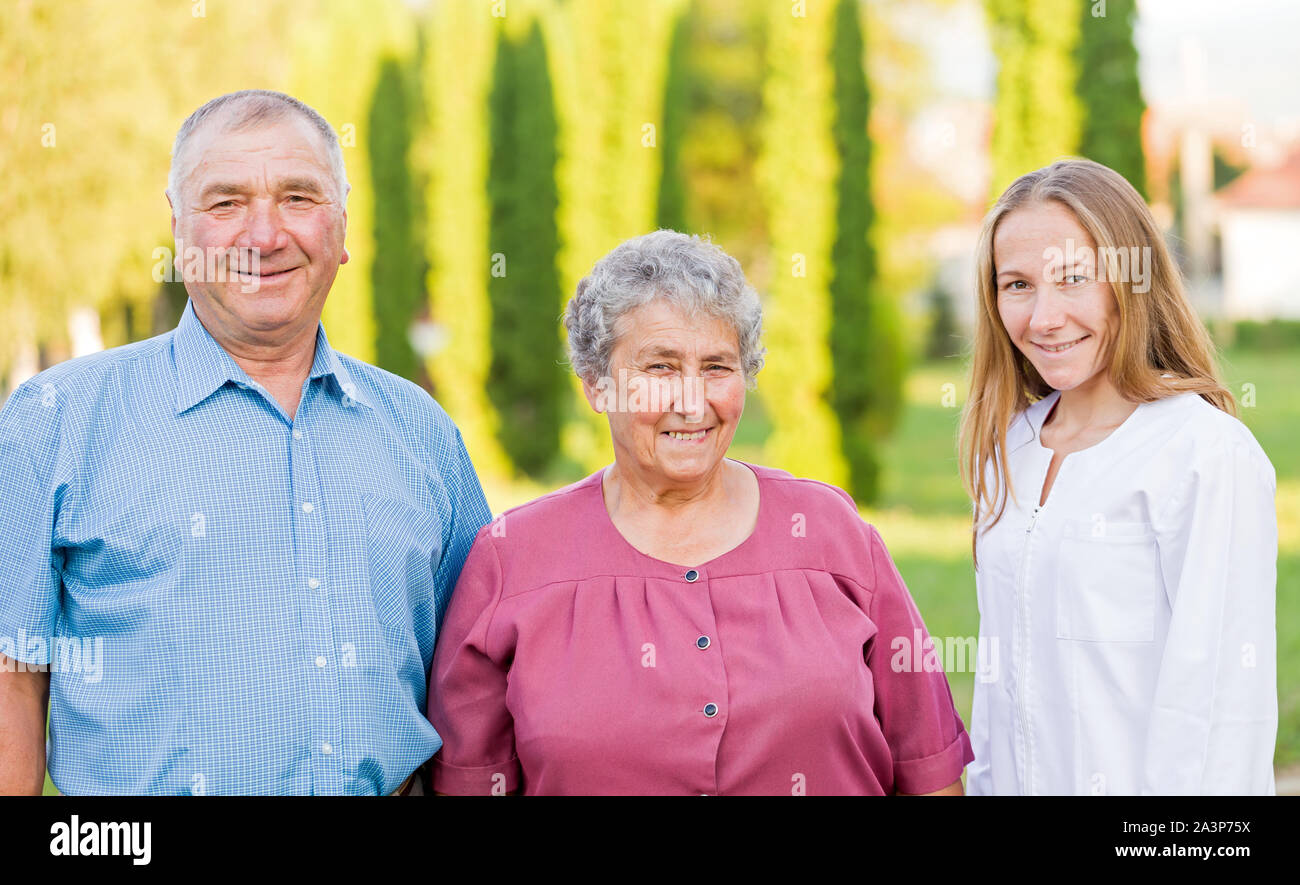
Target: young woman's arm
pixel 1214 718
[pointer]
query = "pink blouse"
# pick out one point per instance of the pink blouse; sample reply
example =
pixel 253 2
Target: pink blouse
pixel 571 663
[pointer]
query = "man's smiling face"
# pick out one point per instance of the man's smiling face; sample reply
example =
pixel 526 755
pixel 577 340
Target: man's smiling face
pixel 266 191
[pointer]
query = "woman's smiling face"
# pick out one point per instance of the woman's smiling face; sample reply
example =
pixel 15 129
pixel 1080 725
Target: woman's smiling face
pixel 1055 309
pixel 681 392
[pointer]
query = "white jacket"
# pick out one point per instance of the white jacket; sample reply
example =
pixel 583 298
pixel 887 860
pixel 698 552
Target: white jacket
pixel 1127 627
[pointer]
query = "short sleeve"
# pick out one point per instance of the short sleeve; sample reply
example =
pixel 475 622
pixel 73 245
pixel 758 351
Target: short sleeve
pixel 914 705
pixel 31 494
pixel 467 692
pixel 469 512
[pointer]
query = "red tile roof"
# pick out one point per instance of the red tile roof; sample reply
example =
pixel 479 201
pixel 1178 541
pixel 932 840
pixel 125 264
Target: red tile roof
pixel 1260 188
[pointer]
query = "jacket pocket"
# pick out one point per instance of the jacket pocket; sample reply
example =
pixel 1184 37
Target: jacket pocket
pixel 1107 582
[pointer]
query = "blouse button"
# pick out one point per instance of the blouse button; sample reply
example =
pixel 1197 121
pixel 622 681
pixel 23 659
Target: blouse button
pixel 702 642
pixel 692 576
pixel 710 710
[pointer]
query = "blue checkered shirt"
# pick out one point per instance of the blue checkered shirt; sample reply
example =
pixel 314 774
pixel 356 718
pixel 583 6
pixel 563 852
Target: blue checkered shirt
pixel 230 601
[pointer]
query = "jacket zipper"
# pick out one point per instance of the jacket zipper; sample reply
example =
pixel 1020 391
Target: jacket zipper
pixel 1024 654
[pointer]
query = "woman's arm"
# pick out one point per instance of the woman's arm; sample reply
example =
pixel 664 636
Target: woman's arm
pixel 926 737
pixel 1214 716
pixel 467 686
pixel 953 789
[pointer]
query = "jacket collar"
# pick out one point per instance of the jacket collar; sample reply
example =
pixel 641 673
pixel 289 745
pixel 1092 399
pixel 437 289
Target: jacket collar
pixel 1028 425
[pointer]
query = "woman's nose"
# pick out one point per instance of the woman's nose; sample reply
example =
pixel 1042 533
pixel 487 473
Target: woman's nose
pixel 1049 312
pixel 691 399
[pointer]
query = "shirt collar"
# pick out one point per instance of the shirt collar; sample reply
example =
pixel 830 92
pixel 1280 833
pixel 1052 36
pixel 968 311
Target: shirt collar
pixel 203 366
pixel 1029 424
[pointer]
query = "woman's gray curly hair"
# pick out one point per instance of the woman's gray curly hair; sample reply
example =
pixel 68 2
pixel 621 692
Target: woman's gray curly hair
pixel 688 271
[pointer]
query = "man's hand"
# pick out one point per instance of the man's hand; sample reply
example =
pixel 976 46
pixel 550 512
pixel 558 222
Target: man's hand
pixel 24 700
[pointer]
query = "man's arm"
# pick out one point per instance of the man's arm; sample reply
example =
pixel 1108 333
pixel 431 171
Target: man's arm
pixel 24 699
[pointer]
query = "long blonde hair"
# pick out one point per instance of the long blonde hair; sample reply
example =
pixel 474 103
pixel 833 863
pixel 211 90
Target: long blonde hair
pixel 1158 332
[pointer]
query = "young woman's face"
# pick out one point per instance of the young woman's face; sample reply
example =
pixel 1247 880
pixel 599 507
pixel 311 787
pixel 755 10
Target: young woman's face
pixel 1053 306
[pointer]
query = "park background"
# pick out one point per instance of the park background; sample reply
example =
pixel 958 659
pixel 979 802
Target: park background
pixel 843 151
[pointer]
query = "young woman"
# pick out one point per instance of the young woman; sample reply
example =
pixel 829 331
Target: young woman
pixel 1125 537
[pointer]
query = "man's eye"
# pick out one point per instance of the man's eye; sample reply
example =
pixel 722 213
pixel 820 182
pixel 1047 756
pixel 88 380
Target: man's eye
pixel 298 198
pixel 658 366
pixel 224 204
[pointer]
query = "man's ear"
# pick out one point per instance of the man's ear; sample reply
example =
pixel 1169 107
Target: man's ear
pixel 173 208
pixel 346 256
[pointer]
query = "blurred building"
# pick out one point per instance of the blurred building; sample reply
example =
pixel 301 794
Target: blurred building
pixel 1259 232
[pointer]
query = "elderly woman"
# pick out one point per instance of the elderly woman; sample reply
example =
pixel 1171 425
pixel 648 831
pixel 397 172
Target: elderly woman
pixel 681 623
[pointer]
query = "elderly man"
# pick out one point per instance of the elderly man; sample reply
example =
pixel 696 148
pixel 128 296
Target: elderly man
pixel 226 550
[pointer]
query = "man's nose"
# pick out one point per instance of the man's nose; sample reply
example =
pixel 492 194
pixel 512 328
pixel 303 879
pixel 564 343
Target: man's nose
pixel 263 226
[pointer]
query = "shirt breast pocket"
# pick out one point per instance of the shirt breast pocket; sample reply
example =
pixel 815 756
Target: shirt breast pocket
pixel 1106 584
pixel 404 546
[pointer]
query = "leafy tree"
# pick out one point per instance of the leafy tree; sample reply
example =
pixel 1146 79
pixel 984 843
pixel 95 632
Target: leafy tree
pixel 798 170
pixel 678 106
pixel 1037 113
pixel 456 72
pixel 1109 90
pixel 398 268
pixel 526 384
pixel 866 385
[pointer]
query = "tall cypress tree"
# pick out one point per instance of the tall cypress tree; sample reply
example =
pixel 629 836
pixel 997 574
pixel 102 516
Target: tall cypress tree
pixel 1036 116
pixel 457 72
pixel 672 135
pixel 398 270
pixel 797 173
pixel 1109 90
pixel 526 382
pixel 866 378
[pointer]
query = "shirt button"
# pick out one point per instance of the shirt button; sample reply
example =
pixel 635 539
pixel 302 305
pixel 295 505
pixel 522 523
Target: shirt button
pixel 692 576
pixel 702 642
pixel 320 661
pixel 307 507
pixel 297 434
pixel 710 710
pixel 326 749
pixel 313 583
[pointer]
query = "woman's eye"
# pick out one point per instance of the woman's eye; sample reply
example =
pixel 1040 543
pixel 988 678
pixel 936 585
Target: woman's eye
pixel 1076 278
pixel 1015 285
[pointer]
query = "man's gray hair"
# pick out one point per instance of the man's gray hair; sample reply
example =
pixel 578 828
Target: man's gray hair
pixel 246 109
pixel 687 271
